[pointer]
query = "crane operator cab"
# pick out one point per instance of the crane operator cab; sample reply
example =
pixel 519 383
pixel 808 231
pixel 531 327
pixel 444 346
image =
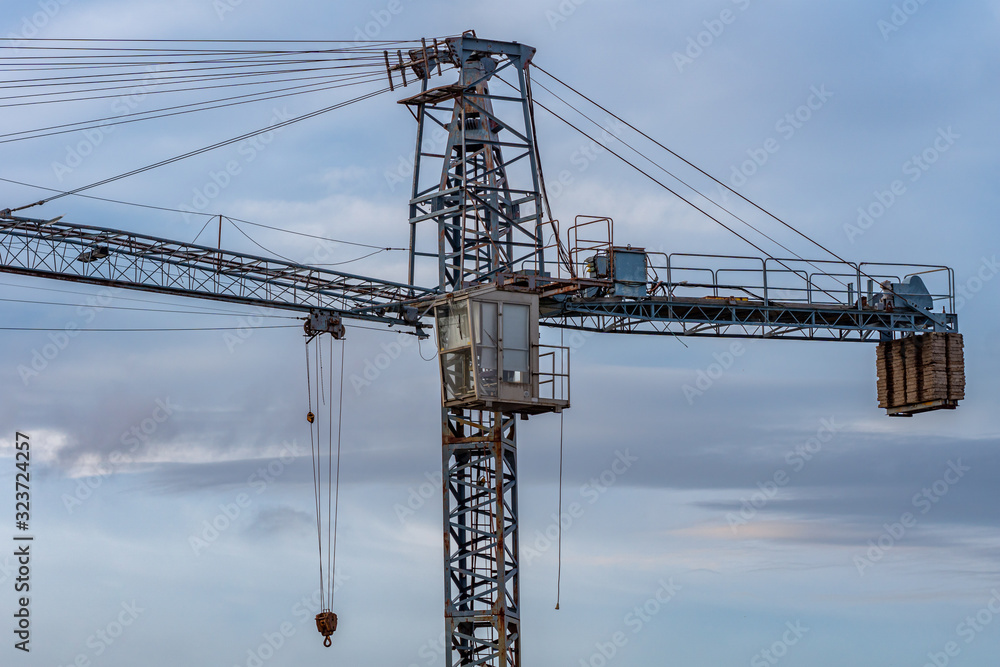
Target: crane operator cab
pixel 490 356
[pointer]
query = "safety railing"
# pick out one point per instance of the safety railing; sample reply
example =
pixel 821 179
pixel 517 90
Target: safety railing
pixel 768 280
pixel 553 373
pixel 788 281
pixel 589 236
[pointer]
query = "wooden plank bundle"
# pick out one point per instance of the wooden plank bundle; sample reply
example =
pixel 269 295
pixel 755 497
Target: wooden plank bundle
pixel 920 373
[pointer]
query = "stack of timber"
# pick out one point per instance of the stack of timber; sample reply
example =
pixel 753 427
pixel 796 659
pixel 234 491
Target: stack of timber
pixel 921 373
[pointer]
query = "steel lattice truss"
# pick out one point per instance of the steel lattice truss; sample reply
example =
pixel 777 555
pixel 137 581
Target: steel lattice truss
pixel 480 224
pixel 742 319
pixel 482 613
pixel 116 258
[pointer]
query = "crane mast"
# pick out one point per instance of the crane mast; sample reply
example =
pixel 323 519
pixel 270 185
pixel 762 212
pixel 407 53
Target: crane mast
pixel 480 235
pixel 479 221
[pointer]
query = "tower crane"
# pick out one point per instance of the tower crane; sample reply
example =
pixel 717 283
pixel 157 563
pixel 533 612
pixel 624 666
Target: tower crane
pixel 502 268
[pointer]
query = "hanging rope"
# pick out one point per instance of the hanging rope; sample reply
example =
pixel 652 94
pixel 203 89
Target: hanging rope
pixel 329 477
pixel 319 374
pixel 326 620
pixel 559 514
pixel 311 418
pixel 336 487
pixel 318 486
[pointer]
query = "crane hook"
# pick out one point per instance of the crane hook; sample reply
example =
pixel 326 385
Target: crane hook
pixel 310 417
pixel 326 623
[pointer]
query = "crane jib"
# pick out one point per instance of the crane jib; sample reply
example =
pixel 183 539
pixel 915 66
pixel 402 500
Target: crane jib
pixel 117 258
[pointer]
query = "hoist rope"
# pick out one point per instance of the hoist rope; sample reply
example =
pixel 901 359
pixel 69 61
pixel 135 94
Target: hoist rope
pixel 324 574
pixel 336 502
pixel 329 477
pixel 315 469
pixel 331 485
pixel 319 375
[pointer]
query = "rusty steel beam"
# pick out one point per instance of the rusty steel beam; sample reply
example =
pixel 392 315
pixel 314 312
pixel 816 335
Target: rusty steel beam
pixel 481 563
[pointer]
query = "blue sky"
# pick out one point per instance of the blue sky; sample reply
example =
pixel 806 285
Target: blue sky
pixel 787 576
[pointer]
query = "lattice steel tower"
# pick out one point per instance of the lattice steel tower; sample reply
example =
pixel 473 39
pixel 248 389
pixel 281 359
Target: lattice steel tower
pixel 476 203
